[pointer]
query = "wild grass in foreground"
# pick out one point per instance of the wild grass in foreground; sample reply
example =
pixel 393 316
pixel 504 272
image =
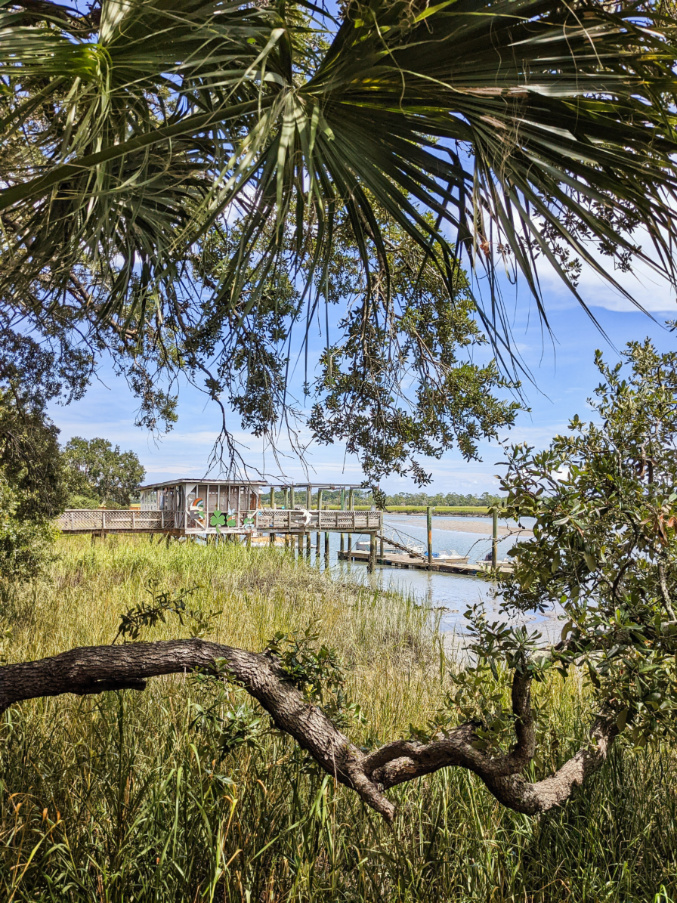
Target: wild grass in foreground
pixel 184 793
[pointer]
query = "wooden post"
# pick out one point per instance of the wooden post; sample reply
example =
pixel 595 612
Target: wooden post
pixel 381 549
pixel 351 507
pixel 429 524
pixel 272 505
pixel 372 553
pixel 494 537
pixel 343 508
pixel 326 549
pixel 286 508
pixel 292 497
pixel 319 518
pixel 309 502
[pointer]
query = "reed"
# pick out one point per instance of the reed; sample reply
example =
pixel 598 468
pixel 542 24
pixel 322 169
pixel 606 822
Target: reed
pixel 185 793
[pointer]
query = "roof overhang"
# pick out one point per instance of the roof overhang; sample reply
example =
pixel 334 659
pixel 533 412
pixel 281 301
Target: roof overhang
pixel 183 481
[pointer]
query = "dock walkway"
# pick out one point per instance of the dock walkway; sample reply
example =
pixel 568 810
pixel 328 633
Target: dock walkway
pixel 261 520
pixel 421 563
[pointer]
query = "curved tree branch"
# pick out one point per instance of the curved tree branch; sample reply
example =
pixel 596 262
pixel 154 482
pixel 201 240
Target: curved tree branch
pixel 94 669
pixel 519 794
pixel 97 669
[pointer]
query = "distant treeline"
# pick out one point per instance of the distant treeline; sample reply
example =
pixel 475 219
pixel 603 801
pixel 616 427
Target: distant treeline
pixel 362 497
pixel 449 499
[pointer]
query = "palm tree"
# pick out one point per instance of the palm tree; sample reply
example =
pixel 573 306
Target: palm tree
pixel 522 133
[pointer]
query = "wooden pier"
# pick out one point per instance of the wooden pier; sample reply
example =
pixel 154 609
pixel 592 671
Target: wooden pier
pixel 102 521
pixel 211 509
pixel 473 569
pixel 261 520
pixel 189 508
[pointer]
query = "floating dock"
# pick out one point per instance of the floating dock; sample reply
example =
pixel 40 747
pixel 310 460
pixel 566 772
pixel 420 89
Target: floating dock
pixel 470 569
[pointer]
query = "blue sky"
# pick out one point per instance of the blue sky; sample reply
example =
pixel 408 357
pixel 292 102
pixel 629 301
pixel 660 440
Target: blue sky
pixel 562 368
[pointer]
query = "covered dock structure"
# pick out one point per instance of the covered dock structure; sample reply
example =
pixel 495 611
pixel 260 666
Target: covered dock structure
pixel 208 507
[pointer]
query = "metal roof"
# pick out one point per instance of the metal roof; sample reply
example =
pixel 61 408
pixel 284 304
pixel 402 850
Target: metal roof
pixel 206 482
pixel 269 484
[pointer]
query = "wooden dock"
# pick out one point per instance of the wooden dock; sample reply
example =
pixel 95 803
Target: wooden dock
pixel 298 521
pixel 470 569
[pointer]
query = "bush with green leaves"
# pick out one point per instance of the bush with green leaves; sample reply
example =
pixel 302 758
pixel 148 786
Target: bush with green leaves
pixel 32 482
pixel 604 546
pixel 99 473
pixel 25 545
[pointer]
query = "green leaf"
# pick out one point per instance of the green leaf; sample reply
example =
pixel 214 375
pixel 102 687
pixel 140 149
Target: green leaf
pixel 621 719
pixel 176 113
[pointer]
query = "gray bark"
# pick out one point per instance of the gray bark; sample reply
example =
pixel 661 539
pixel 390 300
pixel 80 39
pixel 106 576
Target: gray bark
pixel 97 669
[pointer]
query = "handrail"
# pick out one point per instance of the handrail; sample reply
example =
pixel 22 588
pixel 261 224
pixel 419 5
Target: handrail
pixel 297 520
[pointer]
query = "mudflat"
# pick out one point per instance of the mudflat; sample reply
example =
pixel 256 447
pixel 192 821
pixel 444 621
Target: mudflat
pixel 481 525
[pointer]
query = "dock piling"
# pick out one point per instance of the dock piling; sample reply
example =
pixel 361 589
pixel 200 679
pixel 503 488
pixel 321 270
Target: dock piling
pixel 343 505
pixel 429 522
pixel 372 553
pixel 351 507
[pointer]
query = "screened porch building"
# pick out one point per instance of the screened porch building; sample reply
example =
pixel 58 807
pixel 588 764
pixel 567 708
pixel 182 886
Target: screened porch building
pixel 193 507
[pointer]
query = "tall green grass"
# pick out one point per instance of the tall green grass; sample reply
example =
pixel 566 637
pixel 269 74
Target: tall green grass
pixel 185 793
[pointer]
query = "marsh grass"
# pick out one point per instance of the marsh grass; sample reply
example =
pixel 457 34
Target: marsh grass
pixel 185 793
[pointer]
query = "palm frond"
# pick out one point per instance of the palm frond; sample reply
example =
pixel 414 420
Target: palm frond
pixel 529 128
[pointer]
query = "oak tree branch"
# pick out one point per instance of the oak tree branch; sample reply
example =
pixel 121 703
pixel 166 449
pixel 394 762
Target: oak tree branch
pixel 97 669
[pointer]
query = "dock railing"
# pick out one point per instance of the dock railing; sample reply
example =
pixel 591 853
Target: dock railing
pixel 301 520
pixel 272 520
pixel 91 520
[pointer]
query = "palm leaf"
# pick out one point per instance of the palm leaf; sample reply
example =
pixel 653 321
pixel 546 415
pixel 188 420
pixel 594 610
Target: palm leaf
pixel 520 124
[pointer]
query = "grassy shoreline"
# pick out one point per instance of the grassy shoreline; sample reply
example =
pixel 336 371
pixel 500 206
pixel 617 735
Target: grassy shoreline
pixel 184 793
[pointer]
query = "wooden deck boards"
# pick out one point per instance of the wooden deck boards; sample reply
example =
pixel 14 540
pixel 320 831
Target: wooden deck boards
pixel 292 521
pixel 472 569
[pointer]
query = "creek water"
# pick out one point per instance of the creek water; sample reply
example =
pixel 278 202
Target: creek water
pixel 450 594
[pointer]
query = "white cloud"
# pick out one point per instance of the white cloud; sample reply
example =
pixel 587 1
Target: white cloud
pixel 647 286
